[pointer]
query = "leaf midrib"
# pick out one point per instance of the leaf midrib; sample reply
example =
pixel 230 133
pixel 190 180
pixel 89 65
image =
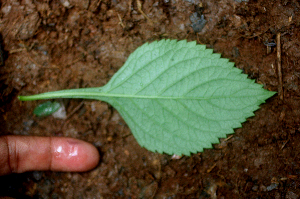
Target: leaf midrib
pixel 101 94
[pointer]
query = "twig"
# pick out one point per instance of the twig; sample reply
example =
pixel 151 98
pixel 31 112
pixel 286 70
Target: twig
pixel 75 109
pixel 16 50
pixel 98 3
pixel 71 114
pixel 211 168
pixel 280 87
pixel 284 144
pixel 226 139
pixel 121 21
pixel 139 7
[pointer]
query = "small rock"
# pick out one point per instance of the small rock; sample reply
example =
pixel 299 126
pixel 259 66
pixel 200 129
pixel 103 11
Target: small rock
pixel 272 186
pixel 176 157
pixel 115 117
pixel 198 23
pixel 60 113
pixel 6 9
pixel 65 3
pixel 212 190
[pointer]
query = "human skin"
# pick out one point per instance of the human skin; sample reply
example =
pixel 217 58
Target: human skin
pixel 19 154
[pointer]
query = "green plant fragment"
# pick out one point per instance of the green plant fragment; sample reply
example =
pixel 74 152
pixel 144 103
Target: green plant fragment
pixel 46 108
pixel 177 97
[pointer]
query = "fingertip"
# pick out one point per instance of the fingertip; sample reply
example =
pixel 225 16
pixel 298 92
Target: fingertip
pixel 73 155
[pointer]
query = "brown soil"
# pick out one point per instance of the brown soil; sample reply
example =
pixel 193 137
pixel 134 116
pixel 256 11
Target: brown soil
pixel 52 45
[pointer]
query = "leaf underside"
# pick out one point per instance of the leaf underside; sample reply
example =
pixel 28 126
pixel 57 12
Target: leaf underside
pixel 178 97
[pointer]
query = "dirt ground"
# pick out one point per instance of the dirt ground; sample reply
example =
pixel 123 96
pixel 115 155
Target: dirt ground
pixel 51 45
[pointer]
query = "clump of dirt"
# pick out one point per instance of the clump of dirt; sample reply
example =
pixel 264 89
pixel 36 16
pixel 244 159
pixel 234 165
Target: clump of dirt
pixel 52 45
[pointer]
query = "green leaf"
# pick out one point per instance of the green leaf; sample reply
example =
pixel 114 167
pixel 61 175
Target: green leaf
pixel 177 97
pixel 46 108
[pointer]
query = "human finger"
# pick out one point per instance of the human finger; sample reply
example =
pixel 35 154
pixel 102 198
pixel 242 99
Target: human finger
pixel 27 153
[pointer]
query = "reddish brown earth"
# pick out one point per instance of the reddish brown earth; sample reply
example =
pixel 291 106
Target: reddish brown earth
pixel 50 46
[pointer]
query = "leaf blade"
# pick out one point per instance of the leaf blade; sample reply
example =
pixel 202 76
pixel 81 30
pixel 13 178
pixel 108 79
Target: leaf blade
pixel 197 99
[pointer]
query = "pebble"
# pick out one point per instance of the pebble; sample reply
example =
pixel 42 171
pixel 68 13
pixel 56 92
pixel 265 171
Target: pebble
pixel 65 3
pixel 6 9
pixel 272 186
pixel 198 23
pixel 60 113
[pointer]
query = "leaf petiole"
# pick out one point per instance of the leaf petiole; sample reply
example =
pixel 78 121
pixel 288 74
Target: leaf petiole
pixel 83 93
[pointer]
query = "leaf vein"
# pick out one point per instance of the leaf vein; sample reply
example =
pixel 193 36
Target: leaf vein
pixel 161 125
pixel 141 68
pixel 179 119
pixel 140 126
